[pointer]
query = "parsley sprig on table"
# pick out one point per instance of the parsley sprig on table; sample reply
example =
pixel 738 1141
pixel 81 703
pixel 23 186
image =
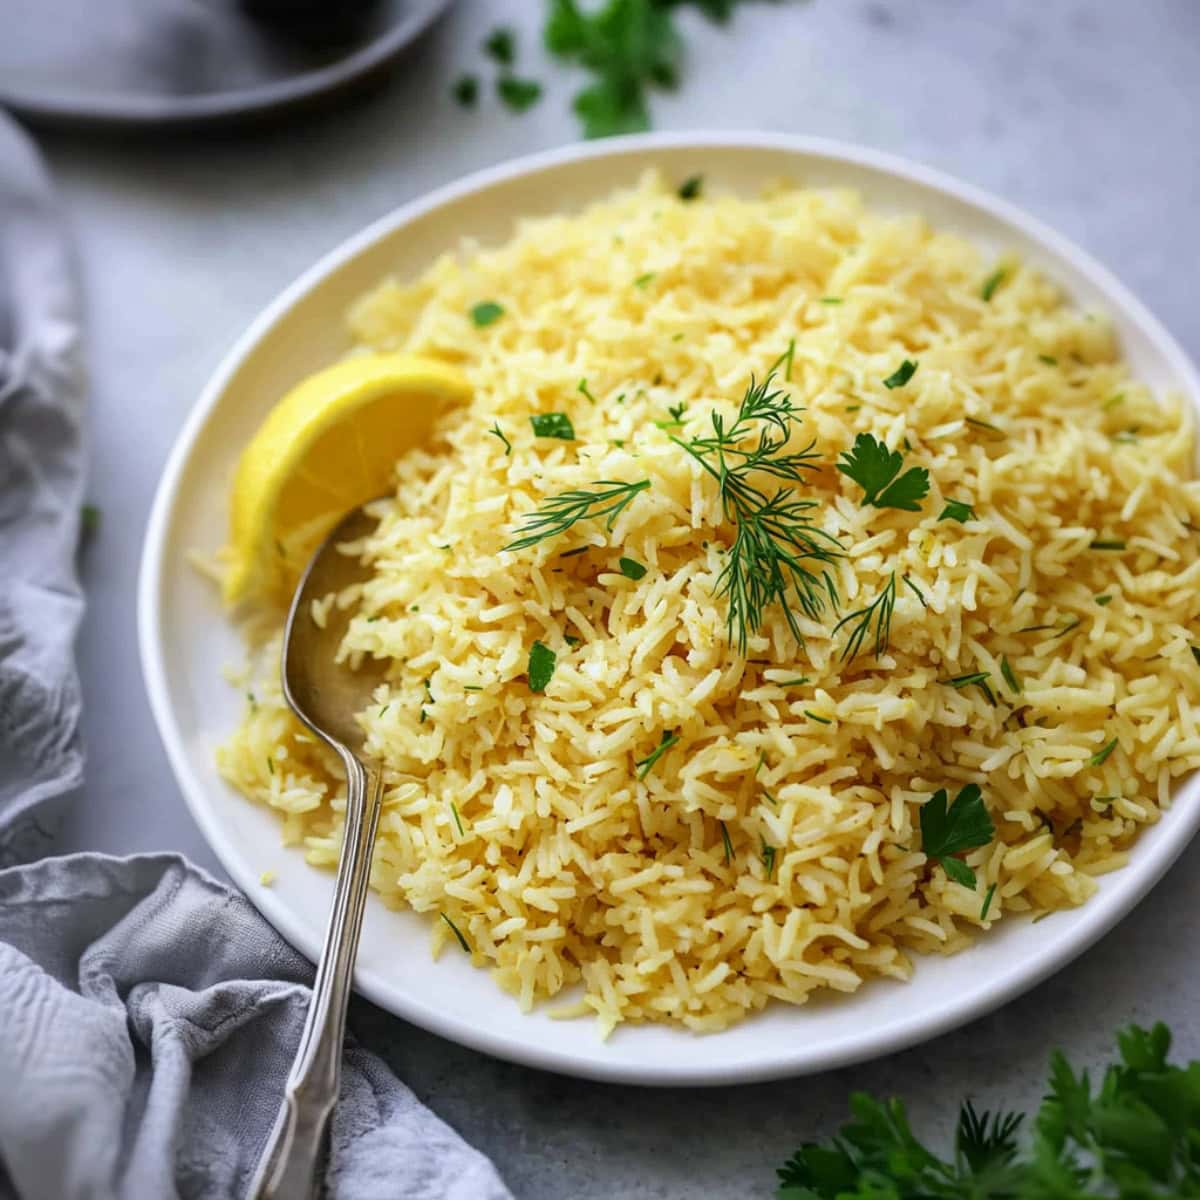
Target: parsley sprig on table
pixel 1135 1137
pixel 778 554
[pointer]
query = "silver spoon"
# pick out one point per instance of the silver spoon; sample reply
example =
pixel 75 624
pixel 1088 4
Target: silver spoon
pixel 326 695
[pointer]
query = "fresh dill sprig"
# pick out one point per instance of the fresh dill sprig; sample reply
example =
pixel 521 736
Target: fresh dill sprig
pixel 607 498
pixel 645 765
pixel 777 543
pixel 879 613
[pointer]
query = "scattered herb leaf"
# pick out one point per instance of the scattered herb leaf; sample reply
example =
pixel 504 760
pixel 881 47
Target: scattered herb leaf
pixel 631 568
pixel 644 765
pixel 1014 684
pixel 485 313
pixel 457 818
pixel 500 45
pixel 1108 544
pixel 901 375
pixel 983 912
pixel 466 91
pixel 726 843
pixel 607 498
pixel 992 282
pixel 948 831
pixel 553 425
pixel 691 187
pixel 518 94
pixel 462 941
pixel 541 666
pixel 808 712
pixel 876 469
pixel 497 432
pixel 1101 756
pixel 878 611
pixel 916 591
pixel 957 510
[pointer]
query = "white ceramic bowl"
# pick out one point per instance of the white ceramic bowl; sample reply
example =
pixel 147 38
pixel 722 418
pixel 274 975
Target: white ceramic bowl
pixel 185 638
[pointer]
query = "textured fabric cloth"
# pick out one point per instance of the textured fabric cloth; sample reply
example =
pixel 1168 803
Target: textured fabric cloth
pixel 148 1015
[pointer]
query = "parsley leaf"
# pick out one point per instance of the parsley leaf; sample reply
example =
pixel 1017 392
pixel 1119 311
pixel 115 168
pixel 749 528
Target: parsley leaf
pixel 553 425
pixel 541 666
pixel 876 469
pixel 486 312
pixel 947 831
pixel 631 568
pixel 957 510
pixel 518 94
pixel 901 375
pixel 466 91
pixel 1133 1136
pixel 501 46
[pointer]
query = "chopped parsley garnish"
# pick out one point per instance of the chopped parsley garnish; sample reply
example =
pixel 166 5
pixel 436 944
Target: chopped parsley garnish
pixel 466 91
pixel 901 375
pixel 607 498
pixel 691 187
pixel 808 712
pixel 876 469
pixel 1107 544
pixel 879 612
pixel 762 762
pixel 383 709
pixel 831 300
pixel 977 679
pixel 518 94
pixel 992 282
pixel 462 941
pixel 572 640
pixel 1048 359
pixel 983 912
pixel 1010 677
pixel 497 432
pixel 1103 600
pixel 270 766
pixel 916 591
pixel 486 312
pixel 472 687
pixel 1101 756
pixel 582 389
pixel 768 858
pixel 642 280
pixel 573 553
pixel 726 843
pixel 949 831
pixel 957 510
pixel 457 818
pixel 800 679
pixel 553 425
pixel 541 666
pixel 631 568
pixel 1114 400
pixel 501 45
pixel 645 765
pixel 777 544
pixel 853 407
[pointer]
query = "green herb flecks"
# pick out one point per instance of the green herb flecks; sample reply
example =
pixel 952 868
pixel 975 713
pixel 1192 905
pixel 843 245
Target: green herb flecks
pixel 1103 600
pixel 785 361
pixel 986 426
pixel 949 831
pixel 1107 544
pixel 691 187
pixel 808 712
pixel 485 313
pixel 645 765
pixel 497 432
pixel 768 858
pixel 457 818
pixel 876 469
pixel 1048 359
pixel 518 94
pixel 831 300
pixel 916 591
pixel 462 941
pixel 977 679
pixel 992 282
pixel 777 545
pixel 877 613
pixel 541 666
pixel 1010 677
pixel 1101 756
pixel 631 568
pixel 89 520
pixel 501 46
pixel 608 498
pixel 553 425
pixel 582 389
pixel 645 280
pixel 902 374
pixel 466 91
pixel 957 510
pixel 726 843
pixel 983 912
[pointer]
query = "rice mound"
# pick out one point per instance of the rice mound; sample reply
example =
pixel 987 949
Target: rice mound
pixel 521 817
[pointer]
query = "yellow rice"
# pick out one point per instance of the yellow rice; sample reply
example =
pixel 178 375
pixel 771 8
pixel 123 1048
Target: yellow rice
pixel 570 870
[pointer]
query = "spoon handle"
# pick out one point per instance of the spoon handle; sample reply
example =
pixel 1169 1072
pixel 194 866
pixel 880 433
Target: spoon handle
pixel 290 1166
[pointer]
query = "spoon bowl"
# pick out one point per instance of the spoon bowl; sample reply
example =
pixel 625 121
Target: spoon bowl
pixel 326 694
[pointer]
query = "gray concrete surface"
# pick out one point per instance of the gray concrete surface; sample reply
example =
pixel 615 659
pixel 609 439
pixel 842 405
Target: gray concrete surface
pixel 1083 111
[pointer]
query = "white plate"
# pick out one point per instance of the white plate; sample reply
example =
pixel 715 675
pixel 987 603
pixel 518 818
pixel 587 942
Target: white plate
pixel 185 638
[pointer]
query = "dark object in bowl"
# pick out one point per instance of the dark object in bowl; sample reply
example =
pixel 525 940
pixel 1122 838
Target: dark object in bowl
pixel 180 63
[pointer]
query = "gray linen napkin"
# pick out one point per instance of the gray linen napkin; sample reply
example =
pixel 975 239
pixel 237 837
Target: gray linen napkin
pixel 148 1015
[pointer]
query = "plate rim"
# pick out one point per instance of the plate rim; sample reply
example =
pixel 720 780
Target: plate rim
pixel 1100 915
pixel 131 110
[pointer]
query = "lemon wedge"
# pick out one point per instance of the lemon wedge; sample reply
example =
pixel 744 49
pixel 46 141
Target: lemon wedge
pixel 330 444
